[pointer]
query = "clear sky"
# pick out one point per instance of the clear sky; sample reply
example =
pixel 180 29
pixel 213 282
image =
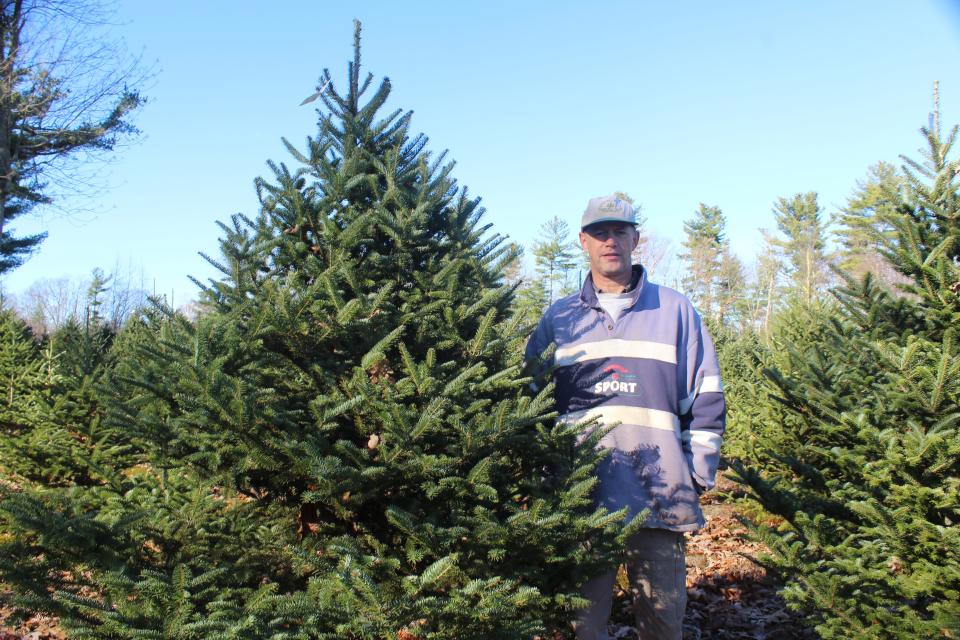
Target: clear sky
pixel 542 105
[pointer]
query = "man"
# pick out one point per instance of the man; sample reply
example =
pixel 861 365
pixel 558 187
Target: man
pixel 636 355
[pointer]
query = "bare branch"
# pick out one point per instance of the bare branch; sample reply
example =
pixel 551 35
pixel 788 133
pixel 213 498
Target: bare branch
pixel 64 96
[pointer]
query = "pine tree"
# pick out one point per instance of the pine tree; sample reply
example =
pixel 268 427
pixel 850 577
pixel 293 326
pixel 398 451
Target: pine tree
pixel 703 245
pixel 641 253
pixel 861 221
pixel 64 92
pixel 65 443
pixel 530 296
pixel 763 295
pixel 732 303
pixel 555 258
pixel 27 375
pixel 344 445
pixel 863 462
pixel 802 244
pixel 714 277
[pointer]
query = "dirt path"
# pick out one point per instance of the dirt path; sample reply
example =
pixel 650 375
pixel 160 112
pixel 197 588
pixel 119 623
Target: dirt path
pixel 729 597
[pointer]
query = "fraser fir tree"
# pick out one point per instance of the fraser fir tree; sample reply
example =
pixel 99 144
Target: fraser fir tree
pixel 27 376
pixel 344 444
pixel 65 442
pixel 863 462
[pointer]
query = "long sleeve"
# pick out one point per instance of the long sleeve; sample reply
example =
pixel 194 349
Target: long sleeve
pixel 702 409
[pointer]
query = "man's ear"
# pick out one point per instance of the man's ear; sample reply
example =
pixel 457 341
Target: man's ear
pixel 583 240
pixel 636 238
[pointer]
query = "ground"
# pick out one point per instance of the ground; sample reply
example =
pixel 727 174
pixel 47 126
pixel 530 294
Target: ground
pixel 730 597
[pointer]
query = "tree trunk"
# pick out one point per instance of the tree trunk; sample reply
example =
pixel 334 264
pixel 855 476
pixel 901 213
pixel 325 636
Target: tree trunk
pixel 10 23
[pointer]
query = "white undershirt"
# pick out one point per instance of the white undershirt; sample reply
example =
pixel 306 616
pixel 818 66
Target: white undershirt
pixel 614 303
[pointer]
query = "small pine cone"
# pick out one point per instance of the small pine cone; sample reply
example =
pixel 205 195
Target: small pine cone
pixel 410 632
pixel 895 565
pixel 381 371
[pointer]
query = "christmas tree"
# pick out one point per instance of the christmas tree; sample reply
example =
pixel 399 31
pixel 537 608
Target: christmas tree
pixel 27 375
pixel 864 464
pixel 54 434
pixel 344 443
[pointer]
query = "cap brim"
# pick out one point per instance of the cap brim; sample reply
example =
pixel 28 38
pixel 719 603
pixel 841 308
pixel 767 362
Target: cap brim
pixel 599 220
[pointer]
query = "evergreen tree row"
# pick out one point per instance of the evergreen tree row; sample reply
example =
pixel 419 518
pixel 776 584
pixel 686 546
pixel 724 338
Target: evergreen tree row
pixel 343 444
pixel 852 436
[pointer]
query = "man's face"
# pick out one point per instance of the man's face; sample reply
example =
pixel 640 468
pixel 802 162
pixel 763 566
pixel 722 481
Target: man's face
pixel 609 245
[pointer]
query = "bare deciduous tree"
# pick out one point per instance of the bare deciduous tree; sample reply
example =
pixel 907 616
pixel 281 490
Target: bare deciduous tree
pixel 64 96
pixel 50 303
pixel 656 256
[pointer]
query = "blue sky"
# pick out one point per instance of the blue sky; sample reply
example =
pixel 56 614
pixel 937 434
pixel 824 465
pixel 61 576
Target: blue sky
pixel 542 104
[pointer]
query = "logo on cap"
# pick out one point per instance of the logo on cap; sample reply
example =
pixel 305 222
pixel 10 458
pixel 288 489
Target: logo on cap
pixel 611 205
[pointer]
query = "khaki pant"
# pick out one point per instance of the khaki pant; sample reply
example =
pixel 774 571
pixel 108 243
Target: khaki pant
pixel 657 571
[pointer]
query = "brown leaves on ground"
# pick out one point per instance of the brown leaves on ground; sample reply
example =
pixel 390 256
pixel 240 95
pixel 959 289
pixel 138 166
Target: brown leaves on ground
pixel 36 628
pixel 729 597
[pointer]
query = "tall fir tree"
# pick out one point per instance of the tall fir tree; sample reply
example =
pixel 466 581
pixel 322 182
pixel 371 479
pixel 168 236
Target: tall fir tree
pixel 714 277
pixel 862 220
pixel 344 445
pixel 862 458
pixel 802 244
pixel 555 258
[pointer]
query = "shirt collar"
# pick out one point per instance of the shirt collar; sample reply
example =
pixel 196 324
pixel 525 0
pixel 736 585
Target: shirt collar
pixel 588 294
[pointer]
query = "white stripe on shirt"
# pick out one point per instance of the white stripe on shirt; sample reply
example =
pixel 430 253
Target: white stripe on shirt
pixel 708 384
pixel 615 348
pixel 706 439
pixel 636 416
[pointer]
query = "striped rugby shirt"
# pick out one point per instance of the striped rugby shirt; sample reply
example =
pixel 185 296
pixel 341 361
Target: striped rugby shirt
pixel 654 373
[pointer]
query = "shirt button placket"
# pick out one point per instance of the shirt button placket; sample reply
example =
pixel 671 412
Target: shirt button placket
pixel 605 320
